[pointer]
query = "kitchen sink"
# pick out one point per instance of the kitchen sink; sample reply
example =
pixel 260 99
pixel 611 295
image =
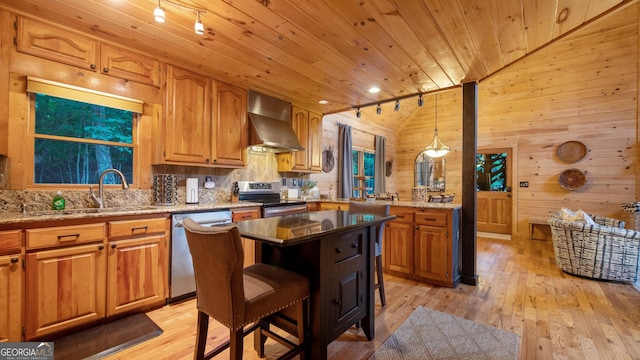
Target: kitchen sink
pixel 90 210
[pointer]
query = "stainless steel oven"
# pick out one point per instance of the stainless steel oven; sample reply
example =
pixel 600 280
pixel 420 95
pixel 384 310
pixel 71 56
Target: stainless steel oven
pixel 268 193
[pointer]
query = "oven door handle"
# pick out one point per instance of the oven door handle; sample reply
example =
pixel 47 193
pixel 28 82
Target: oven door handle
pixel 206 223
pixel 275 211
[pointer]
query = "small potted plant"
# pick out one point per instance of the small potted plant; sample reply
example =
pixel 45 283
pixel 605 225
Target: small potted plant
pixel 306 186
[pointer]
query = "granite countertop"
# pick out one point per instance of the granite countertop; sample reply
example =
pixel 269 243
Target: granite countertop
pixel 415 204
pixel 88 213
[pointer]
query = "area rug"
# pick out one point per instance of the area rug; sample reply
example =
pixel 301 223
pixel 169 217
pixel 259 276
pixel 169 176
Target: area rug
pixel 430 334
pixel 102 340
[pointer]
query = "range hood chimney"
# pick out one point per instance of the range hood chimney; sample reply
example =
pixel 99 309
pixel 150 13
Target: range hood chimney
pixel 270 128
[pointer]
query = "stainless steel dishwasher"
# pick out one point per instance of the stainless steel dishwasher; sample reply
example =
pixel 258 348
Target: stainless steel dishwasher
pixel 182 284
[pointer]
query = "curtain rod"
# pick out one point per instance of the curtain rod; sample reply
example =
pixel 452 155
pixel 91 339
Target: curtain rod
pixel 366 132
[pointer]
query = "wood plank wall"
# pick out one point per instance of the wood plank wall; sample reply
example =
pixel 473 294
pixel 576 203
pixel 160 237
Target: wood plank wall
pixel 583 87
pixel 363 138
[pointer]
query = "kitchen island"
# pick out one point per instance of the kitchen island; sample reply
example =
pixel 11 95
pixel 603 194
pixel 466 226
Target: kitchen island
pixel 335 250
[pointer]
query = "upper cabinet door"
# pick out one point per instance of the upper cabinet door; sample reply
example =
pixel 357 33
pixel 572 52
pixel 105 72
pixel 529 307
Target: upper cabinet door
pixel 300 123
pixel 56 44
pixel 128 65
pixel 188 117
pixel 315 142
pixel 230 126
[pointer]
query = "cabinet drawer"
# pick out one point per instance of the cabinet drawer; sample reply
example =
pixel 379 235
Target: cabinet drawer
pixel 245 214
pixel 348 248
pixel 9 241
pixel 129 228
pixel 402 214
pixel 431 218
pixel 64 235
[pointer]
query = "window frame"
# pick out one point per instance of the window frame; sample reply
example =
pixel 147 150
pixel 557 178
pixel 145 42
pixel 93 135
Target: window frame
pixel 32 136
pixel 360 165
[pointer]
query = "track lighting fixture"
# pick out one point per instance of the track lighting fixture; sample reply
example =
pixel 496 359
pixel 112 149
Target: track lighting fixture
pixel 358 113
pixel 420 100
pixel 379 109
pixel 397 106
pixel 159 15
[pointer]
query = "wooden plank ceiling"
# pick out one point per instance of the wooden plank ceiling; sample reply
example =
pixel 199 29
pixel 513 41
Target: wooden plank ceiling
pixel 303 51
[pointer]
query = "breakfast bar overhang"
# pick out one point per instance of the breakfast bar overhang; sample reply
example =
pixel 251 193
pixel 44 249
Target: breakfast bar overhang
pixel 335 250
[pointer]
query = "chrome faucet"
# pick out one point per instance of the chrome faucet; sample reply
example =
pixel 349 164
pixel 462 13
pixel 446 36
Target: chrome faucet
pixel 99 200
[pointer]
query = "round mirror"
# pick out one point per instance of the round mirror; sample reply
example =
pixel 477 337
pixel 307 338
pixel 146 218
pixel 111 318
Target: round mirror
pixel 429 172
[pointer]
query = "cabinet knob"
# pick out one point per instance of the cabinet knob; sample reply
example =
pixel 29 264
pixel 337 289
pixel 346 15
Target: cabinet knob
pixel 338 250
pixel 113 246
pixel 105 70
pixel 93 66
pixel 337 302
pixel 14 260
pixel 101 247
pixel 354 245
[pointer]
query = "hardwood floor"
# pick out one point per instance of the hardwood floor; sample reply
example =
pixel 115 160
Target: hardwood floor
pixel 558 316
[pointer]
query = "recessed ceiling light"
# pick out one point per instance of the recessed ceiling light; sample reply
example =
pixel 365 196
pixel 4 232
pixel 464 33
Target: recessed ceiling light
pixel 374 90
pixel 323 102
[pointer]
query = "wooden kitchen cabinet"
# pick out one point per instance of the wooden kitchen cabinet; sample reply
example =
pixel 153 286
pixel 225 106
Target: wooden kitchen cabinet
pixel 422 244
pixel 248 245
pixel 137 264
pixel 333 206
pixel 53 43
pixel 11 280
pixel 128 65
pixel 64 288
pixel 230 126
pixel 187 119
pixel 308 127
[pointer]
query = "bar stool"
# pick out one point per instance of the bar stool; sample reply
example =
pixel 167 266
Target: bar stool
pixel 237 297
pixel 379 210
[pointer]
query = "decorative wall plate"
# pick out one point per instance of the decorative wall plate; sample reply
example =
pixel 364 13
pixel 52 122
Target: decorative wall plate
pixel 328 161
pixel 572 151
pixel 572 179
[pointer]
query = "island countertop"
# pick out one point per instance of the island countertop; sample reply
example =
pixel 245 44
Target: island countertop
pixel 299 228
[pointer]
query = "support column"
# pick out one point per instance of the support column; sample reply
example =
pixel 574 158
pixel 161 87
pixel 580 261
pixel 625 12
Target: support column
pixel 469 202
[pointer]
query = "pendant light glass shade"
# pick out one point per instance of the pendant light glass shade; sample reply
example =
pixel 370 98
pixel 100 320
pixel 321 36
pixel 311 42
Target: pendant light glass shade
pixel 436 148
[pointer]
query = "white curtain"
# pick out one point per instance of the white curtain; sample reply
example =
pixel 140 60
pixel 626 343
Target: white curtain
pixel 379 171
pixel 345 162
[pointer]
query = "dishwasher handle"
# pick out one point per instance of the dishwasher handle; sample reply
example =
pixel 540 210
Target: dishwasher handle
pixel 207 223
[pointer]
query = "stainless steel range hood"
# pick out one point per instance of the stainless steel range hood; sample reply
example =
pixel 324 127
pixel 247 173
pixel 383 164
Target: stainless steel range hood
pixel 270 128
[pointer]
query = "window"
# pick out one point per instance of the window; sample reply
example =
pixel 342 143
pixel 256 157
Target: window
pixel 363 165
pixel 491 172
pixel 75 139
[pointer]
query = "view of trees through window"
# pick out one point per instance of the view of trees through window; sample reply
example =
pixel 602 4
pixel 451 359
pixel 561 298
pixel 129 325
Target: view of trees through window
pixel 491 171
pixel 76 141
pixel 363 164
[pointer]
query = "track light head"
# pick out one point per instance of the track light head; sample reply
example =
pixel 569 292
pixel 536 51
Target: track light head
pixel 397 107
pixel 420 100
pixel 158 14
pixel 198 26
pixel 379 109
pixel 358 113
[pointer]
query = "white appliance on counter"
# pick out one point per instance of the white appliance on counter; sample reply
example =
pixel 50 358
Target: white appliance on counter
pixel 182 283
pixel 192 191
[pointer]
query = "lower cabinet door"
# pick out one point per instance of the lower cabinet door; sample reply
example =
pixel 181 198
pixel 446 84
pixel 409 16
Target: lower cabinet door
pixel 431 256
pixel 347 298
pixel 64 288
pixel 136 271
pixel 398 244
pixel 11 298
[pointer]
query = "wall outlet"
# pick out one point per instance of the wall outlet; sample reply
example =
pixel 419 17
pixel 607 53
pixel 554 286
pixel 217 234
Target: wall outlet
pixel 524 184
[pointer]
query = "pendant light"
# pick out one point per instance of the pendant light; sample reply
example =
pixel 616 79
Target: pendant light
pixel 198 27
pixel 158 13
pixel 437 148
